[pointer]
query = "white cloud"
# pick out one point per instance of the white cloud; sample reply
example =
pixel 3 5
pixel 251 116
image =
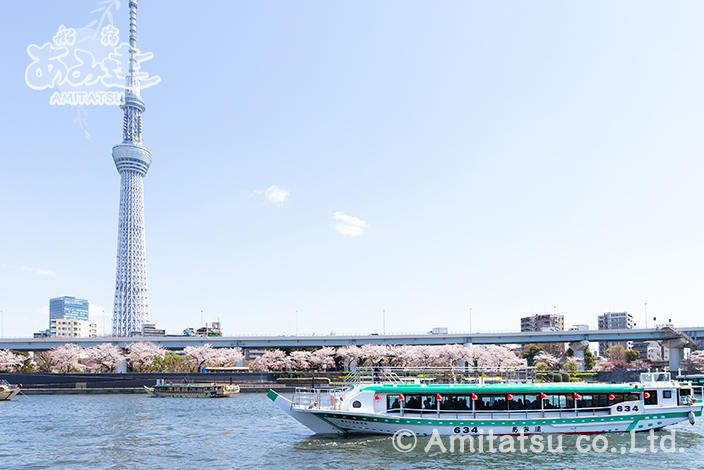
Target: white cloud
pixel 276 195
pixel 349 225
pixel 40 271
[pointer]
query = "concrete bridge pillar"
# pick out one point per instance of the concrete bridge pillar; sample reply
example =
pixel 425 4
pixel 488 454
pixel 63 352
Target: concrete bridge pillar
pixel 578 347
pixel 676 348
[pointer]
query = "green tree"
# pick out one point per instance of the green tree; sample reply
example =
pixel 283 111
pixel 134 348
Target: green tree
pixel 632 355
pixel 27 365
pixel 589 360
pixel 616 353
pixel 541 367
pixel 571 367
pixel 529 352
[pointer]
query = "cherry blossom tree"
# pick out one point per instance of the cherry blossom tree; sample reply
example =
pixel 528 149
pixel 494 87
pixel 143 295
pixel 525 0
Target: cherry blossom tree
pixel 607 366
pixel 43 361
pixel 141 355
pixel 696 358
pixel 500 356
pixel 552 362
pixel 349 355
pixel 9 361
pixel 198 357
pixel 104 357
pixel 449 354
pixel 322 359
pixel 228 357
pixel 274 359
pixel 373 354
pixel 299 360
pixel 641 364
pixel 67 358
pixel 472 354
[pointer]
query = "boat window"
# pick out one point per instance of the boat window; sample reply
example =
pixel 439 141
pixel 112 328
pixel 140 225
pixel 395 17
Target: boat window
pixel 685 391
pixel 667 393
pixel 652 398
pixel 356 404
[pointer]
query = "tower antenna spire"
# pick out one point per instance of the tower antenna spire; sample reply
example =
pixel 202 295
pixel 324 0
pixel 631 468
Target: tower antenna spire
pixel 132 80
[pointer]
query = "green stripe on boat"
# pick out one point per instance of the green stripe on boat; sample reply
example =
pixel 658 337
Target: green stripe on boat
pixel 271 395
pixel 342 430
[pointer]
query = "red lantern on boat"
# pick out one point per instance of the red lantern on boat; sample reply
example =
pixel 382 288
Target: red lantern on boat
pixel 646 395
pixel 401 397
pixel 577 396
pixel 474 397
pixel 509 397
pixel 438 397
pixel 377 397
pixel 543 396
pixel 611 396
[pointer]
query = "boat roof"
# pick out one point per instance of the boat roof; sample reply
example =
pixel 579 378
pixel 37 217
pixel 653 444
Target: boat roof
pixel 571 387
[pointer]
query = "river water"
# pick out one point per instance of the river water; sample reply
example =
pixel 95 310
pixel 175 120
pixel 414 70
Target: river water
pixel 248 431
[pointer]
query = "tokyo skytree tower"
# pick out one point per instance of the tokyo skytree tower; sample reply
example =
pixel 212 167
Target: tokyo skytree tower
pixel 131 308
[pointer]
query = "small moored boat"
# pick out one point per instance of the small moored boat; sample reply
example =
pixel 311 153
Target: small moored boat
pixel 382 403
pixel 7 391
pixel 192 390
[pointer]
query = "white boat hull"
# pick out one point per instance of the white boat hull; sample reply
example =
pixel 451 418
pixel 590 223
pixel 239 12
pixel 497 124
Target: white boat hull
pixel 345 422
pixel 7 394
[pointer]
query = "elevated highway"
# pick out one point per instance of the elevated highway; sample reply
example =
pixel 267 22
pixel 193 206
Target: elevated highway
pixel 677 339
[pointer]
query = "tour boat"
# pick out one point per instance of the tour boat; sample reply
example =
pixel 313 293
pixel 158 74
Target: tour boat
pixel 192 390
pixel 7 391
pixel 384 404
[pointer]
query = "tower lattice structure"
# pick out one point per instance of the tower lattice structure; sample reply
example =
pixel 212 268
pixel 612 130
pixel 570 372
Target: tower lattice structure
pixel 132 159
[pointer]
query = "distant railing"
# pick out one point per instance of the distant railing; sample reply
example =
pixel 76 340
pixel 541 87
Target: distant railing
pixel 439 375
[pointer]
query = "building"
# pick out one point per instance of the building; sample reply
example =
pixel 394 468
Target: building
pixel 579 327
pixel 68 308
pixel 132 159
pixel 69 328
pixel 549 322
pixel 649 350
pixel 614 321
pixel 543 323
pixel 150 329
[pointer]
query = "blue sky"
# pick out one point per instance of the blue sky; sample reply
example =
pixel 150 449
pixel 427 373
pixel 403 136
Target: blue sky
pixel 508 156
